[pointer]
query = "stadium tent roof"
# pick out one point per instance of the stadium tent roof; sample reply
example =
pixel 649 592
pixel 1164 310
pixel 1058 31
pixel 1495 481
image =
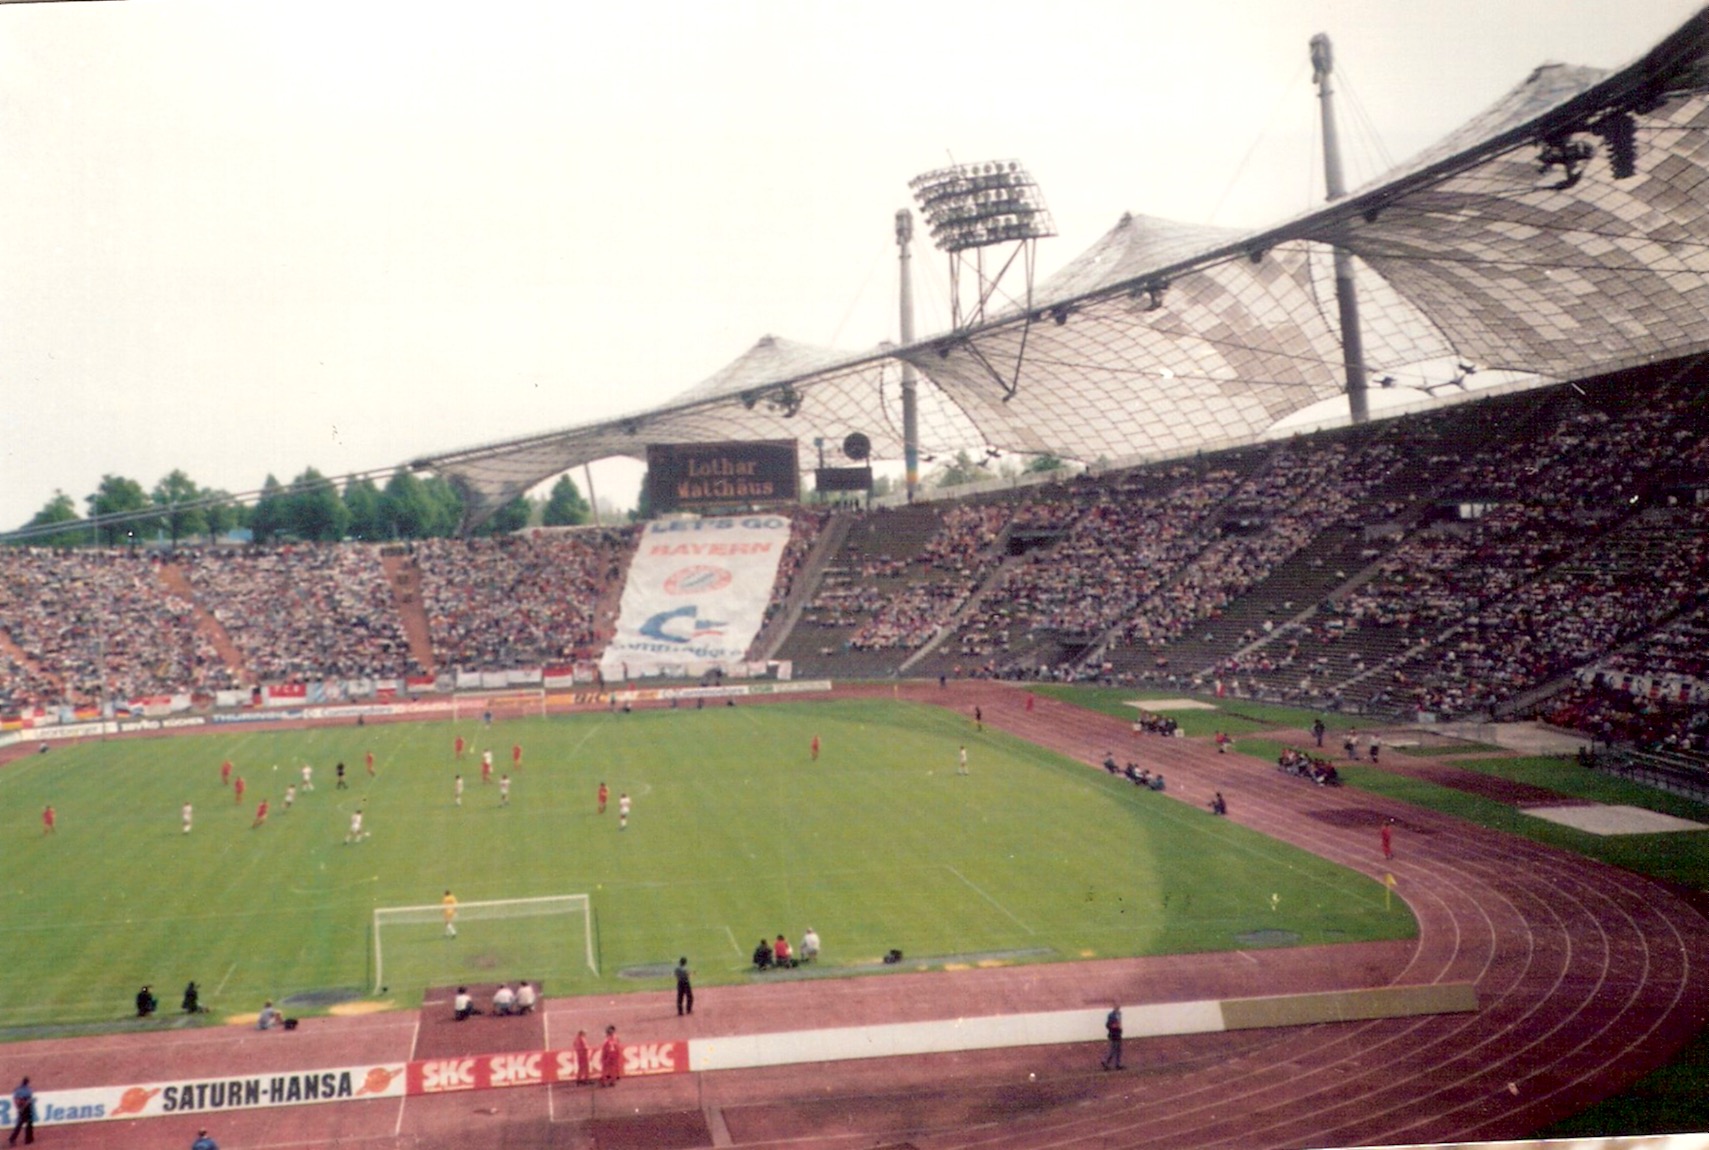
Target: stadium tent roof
pixel 1165 338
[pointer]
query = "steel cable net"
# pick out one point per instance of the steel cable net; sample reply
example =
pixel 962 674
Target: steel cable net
pixel 1515 244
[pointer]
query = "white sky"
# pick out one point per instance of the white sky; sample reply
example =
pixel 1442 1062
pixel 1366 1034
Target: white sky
pixel 247 238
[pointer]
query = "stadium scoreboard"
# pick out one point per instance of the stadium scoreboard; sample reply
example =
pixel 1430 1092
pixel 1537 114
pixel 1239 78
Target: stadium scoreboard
pixel 709 476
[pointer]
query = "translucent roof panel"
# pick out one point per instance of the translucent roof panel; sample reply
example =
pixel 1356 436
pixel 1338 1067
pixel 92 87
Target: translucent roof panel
pixel 1165 338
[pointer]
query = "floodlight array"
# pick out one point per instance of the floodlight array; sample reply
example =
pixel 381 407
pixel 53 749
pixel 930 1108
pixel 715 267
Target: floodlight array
pixel 975 205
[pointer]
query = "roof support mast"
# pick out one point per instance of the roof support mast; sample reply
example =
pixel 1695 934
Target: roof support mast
pixel 1346 293
pixel 910 397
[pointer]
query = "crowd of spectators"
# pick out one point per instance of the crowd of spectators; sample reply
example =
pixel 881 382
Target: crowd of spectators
pixel 522 600
pixel 1304 490
pixel 309 610
pixel 98 624
pixel 843 600
pixel 1544 582
pixel 1124 536
pixel 22 686
pixel 1566 556
pixel 1648 722
pixel 961 554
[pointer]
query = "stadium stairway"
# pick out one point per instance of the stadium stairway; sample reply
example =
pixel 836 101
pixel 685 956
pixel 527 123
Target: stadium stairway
pixel 405 581
pixel 953 626
pixel 777 629
pixel 172 577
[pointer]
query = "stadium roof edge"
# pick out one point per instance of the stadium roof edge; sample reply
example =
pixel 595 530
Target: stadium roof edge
pixel 1441 241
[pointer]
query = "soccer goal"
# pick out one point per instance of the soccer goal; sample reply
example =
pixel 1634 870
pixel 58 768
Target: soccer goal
pixel 497 940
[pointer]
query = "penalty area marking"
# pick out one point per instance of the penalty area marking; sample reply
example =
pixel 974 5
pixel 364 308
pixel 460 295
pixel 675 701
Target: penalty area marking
pixel 975 889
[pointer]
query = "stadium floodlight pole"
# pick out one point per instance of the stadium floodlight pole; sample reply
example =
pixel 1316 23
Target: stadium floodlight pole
pixel 910 397
pixel 1346 292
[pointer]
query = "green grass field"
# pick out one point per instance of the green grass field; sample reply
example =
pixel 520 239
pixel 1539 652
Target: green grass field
pixel 735 835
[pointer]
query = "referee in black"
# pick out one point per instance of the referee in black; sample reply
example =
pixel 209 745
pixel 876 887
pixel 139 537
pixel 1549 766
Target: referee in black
pixel 684 988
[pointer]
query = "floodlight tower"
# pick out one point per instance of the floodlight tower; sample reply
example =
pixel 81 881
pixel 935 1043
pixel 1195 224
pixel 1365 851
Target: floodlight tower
pixel 1346 293
pixel 971 207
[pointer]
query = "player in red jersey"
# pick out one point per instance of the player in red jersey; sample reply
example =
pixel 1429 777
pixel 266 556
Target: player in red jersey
pixel 604 794
pixel 516 755
pixel 610 1058
pixel 238 786
pixel 260 814
pixel 369 758
pixel 584 1059
pixel 48 819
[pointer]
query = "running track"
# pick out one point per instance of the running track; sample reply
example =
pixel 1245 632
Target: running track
pixel 1587 977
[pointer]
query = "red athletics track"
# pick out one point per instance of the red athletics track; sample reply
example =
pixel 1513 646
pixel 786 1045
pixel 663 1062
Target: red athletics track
pixel 1585 977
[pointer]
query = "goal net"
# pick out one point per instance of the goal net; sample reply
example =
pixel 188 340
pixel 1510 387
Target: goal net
pixel 546 938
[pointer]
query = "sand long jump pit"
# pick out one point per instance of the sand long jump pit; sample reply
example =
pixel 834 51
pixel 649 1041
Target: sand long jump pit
pixel 1603 819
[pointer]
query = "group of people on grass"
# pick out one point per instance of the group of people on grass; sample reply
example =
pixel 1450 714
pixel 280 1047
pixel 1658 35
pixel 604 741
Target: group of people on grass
pixel 779 955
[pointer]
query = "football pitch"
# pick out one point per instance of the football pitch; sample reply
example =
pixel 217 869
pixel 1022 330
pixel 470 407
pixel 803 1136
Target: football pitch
pixel 735 834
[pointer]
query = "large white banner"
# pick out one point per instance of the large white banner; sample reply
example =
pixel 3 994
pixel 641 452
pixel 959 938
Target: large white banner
pixel 696 594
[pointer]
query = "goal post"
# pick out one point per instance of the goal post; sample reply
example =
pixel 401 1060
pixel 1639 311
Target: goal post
pixel 526 915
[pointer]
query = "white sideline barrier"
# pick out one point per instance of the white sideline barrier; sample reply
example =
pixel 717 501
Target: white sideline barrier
pixel 890 1040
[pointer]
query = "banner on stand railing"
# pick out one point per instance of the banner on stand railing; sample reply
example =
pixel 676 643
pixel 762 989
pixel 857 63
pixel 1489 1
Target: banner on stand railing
pixel 696 594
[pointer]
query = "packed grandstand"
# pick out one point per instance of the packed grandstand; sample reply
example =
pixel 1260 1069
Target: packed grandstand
pixel 1542 554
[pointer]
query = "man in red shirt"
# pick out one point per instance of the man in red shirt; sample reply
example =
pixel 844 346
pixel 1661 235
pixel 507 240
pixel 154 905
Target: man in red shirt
pixel 584 1059
pixel 610 1058
pixel 604 794
pixel 225 773
pixel 238 786
pixel 516 755
pixel 48 818
pixel 815 748
pixel 458 746
pixel 260 815
pixel 370 762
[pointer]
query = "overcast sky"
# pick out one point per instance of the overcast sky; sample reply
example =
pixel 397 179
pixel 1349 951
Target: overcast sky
pixel 247 238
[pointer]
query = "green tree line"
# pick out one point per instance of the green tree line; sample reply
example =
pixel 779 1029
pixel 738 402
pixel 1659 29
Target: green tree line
pixel 311 508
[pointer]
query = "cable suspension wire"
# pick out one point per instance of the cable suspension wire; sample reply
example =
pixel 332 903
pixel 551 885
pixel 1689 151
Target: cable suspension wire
pixel 1276 108
pixel 1368 134
pixel 860 292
